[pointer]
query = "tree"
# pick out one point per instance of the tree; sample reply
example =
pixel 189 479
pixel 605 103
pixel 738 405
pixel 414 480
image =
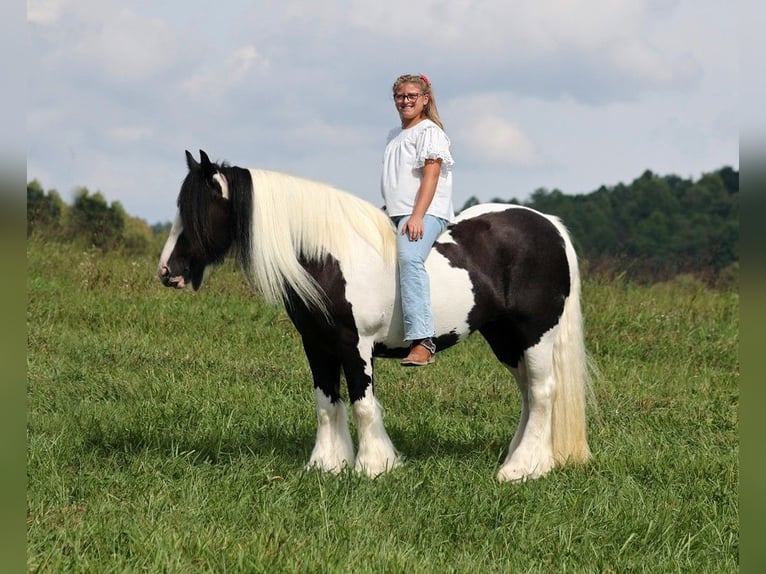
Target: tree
pixel 92 219
pixel 137 238
pixel 470 202
pixel 44 211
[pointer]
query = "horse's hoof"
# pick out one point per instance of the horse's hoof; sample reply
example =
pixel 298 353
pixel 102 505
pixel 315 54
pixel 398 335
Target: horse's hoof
pixel 331 467
pixel 373 470
pixel 517 474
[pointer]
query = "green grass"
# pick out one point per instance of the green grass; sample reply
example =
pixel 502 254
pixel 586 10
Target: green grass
pixel 167 432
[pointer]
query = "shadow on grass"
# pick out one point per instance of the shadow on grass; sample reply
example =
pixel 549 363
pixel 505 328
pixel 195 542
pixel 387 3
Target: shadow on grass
pixel 286 445
pixel 422 444
pixel 290 447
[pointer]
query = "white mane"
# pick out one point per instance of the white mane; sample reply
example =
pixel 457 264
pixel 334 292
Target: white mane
pixel 294 217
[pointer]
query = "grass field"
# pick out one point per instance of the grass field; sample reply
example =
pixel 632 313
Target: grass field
pixel 167 432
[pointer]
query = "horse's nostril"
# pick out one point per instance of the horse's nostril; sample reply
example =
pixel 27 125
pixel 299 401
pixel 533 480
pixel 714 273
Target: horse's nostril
pixel 164 272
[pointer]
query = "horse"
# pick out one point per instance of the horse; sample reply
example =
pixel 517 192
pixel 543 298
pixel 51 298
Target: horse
pixel 507 271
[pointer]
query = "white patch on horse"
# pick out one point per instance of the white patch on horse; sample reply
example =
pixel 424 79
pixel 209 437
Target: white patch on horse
pixel 170 244
pixel 221 179
pixel 333 449
pixel 451 296
pixel 482 208
pixel 371 290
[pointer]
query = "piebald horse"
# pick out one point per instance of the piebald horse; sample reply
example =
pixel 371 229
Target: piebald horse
pixel 506 271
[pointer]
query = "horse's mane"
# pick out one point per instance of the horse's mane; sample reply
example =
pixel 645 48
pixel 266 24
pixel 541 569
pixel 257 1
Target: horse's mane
pixel 295 219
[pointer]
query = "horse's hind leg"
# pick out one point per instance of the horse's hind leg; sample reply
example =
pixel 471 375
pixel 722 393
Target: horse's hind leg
pixel 333 448
pixel 376 453
pixel 530 454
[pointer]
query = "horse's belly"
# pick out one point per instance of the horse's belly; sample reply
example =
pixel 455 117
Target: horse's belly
pixel 372 291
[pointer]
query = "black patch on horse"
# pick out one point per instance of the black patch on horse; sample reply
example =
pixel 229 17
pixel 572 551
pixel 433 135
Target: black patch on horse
pixel 504 252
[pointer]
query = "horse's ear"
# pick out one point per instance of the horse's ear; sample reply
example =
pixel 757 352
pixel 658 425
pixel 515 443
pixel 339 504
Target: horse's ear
pixel 207 166
pixel 191 162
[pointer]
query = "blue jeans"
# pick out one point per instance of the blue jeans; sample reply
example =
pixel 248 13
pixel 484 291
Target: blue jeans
pixel 413 279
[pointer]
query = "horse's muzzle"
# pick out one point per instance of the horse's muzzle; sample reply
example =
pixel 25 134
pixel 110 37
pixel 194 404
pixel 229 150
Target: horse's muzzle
pixel 168 280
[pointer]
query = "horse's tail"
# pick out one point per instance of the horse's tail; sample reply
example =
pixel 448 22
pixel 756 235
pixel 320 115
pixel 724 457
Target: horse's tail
pixel 571 372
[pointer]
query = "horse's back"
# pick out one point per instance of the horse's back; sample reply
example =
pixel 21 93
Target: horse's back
pixel 509 242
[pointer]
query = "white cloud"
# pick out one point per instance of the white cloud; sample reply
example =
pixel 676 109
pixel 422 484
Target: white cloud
pixel 485 133
pixel 43 12
pixel 217 79
pixel 105 40
pixel 614 41
pixel 127 47
pixel 130 134
pixel 493 139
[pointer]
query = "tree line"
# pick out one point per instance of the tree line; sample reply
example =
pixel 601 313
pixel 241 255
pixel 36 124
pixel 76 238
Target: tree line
pixel 652 229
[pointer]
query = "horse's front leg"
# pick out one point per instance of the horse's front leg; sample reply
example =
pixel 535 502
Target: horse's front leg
pixel 376 453
pixel 333 449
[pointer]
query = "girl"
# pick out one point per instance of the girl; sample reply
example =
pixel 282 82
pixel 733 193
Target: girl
pixel 417 189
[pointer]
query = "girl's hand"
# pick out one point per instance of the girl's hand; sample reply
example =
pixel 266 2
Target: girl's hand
pixel 413 227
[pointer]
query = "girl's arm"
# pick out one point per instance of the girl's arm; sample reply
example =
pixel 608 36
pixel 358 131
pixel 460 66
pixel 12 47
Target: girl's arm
pixel 414 226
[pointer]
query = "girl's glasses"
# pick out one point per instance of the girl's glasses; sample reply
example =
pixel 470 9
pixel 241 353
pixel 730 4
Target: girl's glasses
pixel 406 97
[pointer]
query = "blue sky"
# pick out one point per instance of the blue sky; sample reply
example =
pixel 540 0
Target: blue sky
pixel 533 93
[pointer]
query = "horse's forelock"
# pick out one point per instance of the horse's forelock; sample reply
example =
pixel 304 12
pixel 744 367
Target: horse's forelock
pixel 194 202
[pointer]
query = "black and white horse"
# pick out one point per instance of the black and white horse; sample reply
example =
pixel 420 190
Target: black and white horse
pixel 506 271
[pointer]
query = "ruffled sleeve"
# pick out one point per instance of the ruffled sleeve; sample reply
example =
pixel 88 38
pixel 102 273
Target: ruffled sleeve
pixel 433 143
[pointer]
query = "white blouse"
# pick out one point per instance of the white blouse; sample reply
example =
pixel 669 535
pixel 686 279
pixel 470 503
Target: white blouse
pixel 406 153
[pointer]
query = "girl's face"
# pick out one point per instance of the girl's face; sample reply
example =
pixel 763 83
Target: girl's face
pixel 410 103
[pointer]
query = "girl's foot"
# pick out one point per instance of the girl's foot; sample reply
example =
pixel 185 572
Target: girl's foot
pixel 421 354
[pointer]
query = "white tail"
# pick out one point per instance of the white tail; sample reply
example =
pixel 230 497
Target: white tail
pixel 570 366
